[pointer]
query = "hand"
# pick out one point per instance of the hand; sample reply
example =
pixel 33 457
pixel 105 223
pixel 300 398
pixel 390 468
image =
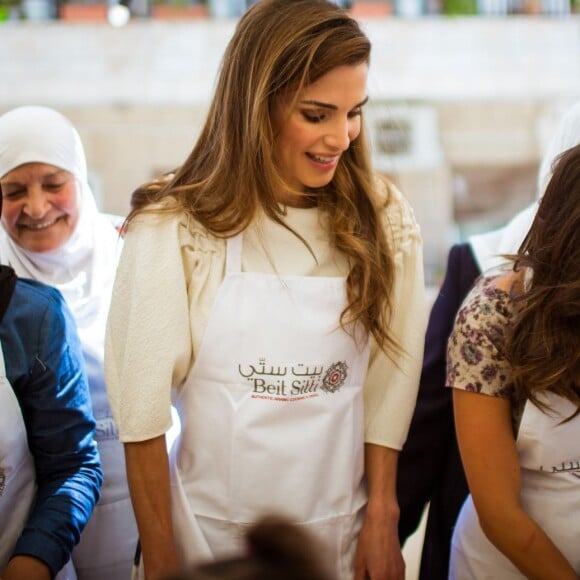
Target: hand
pixel 378 553
pixel 27 567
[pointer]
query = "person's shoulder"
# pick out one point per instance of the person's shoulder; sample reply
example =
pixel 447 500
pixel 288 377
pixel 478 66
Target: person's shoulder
pixel 36 296
pixel 155 214
pixel 387 193
pixel 462 267
pixel 462 249
pixel 38 306
pixel 488 305
pixel 509 282
pixel 476 357
pixel 36 320
pixel 165 235
pixel 157 218
pixel 395 210
pixel 459 254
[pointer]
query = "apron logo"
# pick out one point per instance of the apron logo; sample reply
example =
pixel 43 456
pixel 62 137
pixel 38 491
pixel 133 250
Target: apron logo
pixel 571 467
pixel 106 429
pixel 334 377
pixel 293 383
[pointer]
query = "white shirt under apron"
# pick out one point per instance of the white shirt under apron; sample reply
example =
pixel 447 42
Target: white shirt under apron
pixel 167 281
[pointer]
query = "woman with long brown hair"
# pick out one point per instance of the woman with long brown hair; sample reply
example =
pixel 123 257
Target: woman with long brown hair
pixel 273 288
pixel 514 363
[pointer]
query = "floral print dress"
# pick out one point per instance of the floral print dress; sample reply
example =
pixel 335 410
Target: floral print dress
pixel 476 358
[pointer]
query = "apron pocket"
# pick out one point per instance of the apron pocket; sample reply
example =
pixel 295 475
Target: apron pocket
pixel 338 538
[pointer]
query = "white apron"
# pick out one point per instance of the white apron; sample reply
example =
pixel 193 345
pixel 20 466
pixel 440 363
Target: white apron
pixel 549 455
pixel 17 474
pixel 272 417
pixel 108 542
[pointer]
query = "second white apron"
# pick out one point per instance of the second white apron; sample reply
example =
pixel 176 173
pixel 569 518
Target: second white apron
pixel 549 454
pixel 108 542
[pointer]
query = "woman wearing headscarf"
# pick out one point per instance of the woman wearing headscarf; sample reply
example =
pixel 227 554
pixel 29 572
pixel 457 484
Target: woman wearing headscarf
pixel 50 473
pixel 430 468
pixel 51 231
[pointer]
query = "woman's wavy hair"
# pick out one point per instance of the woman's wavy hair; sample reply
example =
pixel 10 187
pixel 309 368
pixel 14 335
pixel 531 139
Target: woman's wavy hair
pixel 279 47
pixel 544 344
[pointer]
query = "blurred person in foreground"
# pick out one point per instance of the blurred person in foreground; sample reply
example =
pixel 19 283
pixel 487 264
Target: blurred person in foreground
pixel 275 548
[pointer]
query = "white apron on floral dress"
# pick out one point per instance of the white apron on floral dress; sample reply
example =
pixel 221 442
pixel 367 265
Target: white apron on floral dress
pixel 17 474
pixel 272 417
pixel 549 454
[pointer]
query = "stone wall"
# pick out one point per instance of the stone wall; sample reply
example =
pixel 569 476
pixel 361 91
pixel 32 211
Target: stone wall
pixel 478 98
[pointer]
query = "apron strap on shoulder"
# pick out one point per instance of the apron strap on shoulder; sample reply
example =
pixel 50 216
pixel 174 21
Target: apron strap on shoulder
pixel 234 254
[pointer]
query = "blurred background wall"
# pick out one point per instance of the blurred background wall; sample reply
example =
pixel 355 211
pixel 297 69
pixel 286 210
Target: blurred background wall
pixel 461 107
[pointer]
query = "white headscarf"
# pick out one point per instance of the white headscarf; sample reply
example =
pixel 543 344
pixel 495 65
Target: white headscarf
pixel 567 135
pixel 83 268
pixel 488 248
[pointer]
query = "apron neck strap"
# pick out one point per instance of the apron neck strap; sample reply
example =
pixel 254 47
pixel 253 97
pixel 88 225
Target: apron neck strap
pixel 234 254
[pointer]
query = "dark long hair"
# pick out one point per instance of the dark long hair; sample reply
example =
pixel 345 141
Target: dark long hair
pixel 544 345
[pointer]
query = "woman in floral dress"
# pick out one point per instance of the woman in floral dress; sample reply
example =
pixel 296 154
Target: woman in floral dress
pixel 514 364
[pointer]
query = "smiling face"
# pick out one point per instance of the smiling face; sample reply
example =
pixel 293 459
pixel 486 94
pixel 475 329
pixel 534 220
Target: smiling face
pixel 312 135
pixel 40 206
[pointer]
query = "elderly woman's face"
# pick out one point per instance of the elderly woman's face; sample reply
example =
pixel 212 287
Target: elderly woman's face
pixel 40 206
